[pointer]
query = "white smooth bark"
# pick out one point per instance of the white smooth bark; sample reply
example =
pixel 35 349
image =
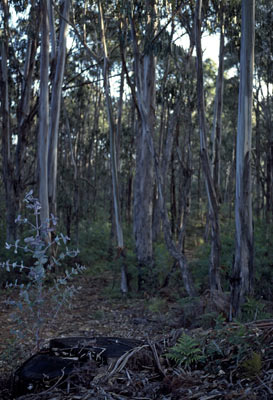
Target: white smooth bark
pixel 44 115
pixel 242 280
pixel 218 108
pixel 55 107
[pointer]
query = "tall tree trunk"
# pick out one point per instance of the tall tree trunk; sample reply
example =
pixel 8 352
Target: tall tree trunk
pixel 26 109
pixel 214 275
pixel 113 153
pixel 6 134
pixel 173 249
pixel 55 107
pixel 185 182
pixel 44 115
pixel 70 154
pixel 144 65
pixel 242 280
pixel 269 156
pixel 164 113
pixel 218 107
pixel 258 155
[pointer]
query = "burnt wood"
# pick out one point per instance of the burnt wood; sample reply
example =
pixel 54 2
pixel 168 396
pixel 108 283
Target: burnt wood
pixel 101 347
pixel 53 365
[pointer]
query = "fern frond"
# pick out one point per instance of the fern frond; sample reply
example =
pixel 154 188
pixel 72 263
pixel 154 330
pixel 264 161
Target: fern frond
pixel 186 352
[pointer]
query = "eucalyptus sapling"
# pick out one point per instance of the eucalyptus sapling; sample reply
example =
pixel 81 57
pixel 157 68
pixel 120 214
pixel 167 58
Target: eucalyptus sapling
pixel 35 296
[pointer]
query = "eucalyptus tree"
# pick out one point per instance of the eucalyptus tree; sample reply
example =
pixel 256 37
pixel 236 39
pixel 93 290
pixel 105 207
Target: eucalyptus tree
pixel 218 106
pixel 43 135
pixel 49 111
pixel 242 280
pixel 6 129
pixel 214 263
pixel 27 104
pixel 263 108
pixel 144 68
pixel 148 162
pixel 19 42
pixel 58 59
pixel 114 130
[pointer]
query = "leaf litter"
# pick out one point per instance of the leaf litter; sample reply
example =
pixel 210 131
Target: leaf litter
pixel 237 362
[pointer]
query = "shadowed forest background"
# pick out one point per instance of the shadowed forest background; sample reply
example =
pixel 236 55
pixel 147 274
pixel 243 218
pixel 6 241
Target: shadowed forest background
pixel 128 136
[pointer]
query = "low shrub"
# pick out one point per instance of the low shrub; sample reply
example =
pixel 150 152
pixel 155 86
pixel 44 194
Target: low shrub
pixel 35 299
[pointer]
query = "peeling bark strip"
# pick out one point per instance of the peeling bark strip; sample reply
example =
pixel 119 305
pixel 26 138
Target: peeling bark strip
pixel 243 266
pixel 214 274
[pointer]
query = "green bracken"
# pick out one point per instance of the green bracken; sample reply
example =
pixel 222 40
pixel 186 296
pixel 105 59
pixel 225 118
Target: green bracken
pixel 186 353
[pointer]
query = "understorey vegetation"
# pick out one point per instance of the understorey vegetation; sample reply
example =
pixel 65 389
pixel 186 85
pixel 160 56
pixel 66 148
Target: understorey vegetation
pixel 184 346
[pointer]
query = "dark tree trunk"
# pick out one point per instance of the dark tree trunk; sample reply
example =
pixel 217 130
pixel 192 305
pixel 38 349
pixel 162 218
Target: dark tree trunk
pixel 8 177
pixel 114 135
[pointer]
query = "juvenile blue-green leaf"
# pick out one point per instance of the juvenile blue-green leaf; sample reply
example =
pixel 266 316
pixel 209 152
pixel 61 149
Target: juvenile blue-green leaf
pixel 29 239
pixel 18 219
pixel 44 260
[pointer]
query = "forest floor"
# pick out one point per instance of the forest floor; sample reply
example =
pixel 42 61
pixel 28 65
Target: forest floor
pixel 238 364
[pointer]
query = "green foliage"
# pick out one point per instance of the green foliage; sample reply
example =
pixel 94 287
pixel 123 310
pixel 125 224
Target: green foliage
pixel 113 292
pixel 186 352
pixel 237 339
pixel 99 315
pixel 237 343
pixel 153 277
pixel 262 262
pixel 95 244
pixel 253 310
pixel 212 319
pixel 12 354
pixel 200 267
pixel 157 305
pixel 263 238
pixel 161 267
pixel 219 321
pixel 252 366
pixel 34 301
pixel 190 309
pixel 231 348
